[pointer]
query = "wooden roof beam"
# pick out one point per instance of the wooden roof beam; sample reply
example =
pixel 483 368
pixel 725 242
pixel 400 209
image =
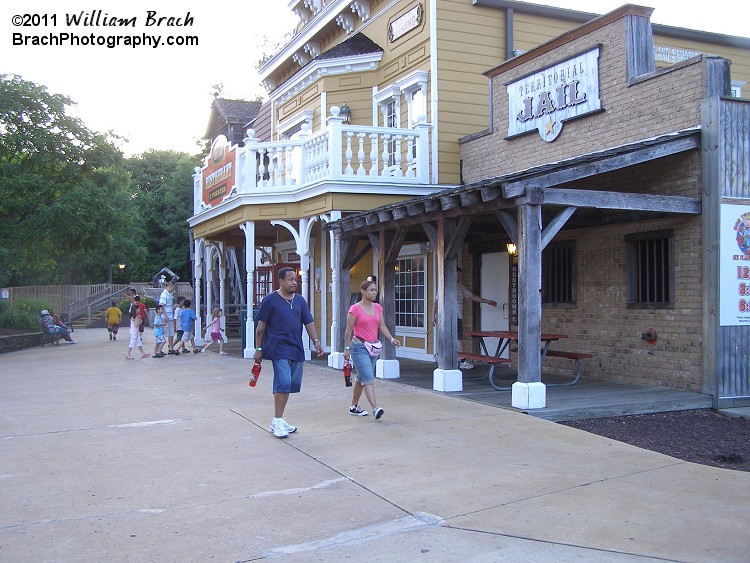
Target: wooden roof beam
pixel 618 200
pixel 601 165
pixel 416 208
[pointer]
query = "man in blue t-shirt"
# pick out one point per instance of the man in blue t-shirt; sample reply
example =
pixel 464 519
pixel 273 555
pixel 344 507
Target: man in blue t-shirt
pixel 278 338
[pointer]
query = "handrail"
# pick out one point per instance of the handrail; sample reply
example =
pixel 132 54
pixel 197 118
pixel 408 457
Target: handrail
pixel 77 308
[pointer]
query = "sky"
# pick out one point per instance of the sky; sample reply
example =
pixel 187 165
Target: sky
pixel 160 98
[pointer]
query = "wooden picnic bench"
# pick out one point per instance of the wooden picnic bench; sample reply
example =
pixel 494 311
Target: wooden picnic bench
pixel 492 360
pixel 483 358
pixel 575 356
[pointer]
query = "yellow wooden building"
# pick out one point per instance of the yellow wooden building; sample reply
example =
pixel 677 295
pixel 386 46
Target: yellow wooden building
pixel 366 105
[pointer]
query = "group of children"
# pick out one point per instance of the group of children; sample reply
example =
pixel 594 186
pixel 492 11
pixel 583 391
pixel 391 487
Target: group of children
pixel 184 317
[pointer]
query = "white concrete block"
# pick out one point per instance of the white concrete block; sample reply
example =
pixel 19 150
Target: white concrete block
pixel 387 369
pixel 447 380
pixel 336 360
pixel 529 395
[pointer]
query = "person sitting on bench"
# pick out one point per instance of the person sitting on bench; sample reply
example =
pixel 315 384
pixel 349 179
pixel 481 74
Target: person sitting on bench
pixel 49 325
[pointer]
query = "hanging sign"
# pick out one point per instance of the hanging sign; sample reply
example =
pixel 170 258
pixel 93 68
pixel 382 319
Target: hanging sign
pixel 734 264
pixel 548 98
pixel 219 172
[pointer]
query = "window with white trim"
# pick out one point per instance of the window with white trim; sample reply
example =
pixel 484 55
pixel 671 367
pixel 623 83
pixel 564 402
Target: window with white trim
pixel 391 116
pixel 411 292
pixel 413 90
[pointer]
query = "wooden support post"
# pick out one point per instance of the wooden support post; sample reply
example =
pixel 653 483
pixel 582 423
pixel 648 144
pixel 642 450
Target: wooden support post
pixel 529 392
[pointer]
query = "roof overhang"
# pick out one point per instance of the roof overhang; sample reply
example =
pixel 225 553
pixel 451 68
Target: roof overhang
pixel 540 185
pixel 318 69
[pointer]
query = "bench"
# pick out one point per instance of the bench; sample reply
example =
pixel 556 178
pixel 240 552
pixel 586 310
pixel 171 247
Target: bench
pixel 492 360
pixel 575 356
pixel 48 337
pixel 483 358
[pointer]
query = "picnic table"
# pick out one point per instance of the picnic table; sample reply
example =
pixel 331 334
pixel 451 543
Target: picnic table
pixel 505 337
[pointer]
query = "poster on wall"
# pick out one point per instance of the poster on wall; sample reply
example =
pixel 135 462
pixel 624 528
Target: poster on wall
pixel 734 265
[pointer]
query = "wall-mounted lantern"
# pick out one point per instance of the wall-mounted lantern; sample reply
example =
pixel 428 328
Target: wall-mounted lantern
pixel 346 114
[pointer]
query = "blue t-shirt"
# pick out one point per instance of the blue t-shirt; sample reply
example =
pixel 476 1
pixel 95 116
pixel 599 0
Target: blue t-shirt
pixel 186 320
pixel 284 324
pixel 158 330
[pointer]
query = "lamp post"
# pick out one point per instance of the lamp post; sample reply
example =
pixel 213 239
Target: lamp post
pixel 109 273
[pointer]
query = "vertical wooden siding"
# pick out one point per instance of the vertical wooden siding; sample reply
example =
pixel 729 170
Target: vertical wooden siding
pixel 733 342
pixel 471 41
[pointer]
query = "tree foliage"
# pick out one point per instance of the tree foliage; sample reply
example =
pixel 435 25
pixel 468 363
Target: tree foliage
pixel 162 184
pixel 72 205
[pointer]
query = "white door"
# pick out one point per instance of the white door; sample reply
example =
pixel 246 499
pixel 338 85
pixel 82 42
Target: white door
pixel 495 281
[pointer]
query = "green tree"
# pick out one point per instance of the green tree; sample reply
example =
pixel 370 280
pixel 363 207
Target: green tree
pixel 162 183
pixel 67 210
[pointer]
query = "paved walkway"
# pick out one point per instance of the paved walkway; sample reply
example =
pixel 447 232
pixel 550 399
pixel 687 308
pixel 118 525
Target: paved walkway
pixel 103 459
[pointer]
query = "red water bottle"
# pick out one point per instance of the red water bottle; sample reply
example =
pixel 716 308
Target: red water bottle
pixel 348 373
pixel 256 374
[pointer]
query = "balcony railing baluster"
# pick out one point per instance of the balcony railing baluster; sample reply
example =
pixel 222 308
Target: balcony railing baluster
pixel 382 155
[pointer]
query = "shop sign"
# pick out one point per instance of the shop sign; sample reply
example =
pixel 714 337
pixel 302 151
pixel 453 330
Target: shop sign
pixel 734 264
pixel 219 172
pixel 550 97
pixel 404 24
pixel 665 54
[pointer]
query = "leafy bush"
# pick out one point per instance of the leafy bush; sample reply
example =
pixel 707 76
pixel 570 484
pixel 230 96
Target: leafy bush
pixel 124 306
pixel 22 314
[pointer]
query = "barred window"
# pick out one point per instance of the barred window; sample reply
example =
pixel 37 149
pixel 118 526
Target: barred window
pixel 411 292
pixel 650 269
pixel 559 274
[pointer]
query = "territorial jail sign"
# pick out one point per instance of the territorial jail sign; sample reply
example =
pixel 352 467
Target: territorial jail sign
pixel 218 174
pixel 546 99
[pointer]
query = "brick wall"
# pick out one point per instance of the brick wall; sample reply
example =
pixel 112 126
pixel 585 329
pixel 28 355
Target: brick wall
pixel 665 101
pixel 601 323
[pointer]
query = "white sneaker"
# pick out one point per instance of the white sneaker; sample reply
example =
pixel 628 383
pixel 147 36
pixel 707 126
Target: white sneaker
pixel 278 428
pixel 289 428
pixel 463 364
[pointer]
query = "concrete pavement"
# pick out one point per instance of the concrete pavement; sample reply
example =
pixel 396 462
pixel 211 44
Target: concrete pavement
pixel 171 460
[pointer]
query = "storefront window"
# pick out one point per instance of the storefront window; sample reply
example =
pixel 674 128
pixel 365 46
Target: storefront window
pixel 411 292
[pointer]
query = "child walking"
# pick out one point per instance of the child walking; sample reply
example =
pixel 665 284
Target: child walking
pixel 216 331
pixel 135 335
pixel 113 316
pixel 160 321
pixel 187 317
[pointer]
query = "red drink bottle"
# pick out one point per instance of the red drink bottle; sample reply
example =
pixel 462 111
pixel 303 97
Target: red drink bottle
pixel 256 374
pixel 348 373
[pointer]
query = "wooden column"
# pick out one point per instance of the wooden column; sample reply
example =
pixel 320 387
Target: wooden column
pixel 529 391
pixel 447 315
pixel 248 227
pixel 344 246
pixel 388 248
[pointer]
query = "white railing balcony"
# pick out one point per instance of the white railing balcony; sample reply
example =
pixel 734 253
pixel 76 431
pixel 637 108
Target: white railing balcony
pixel 344 154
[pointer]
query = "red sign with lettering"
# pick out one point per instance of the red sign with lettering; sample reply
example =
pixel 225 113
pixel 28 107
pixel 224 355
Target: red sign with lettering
pixel 219 172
